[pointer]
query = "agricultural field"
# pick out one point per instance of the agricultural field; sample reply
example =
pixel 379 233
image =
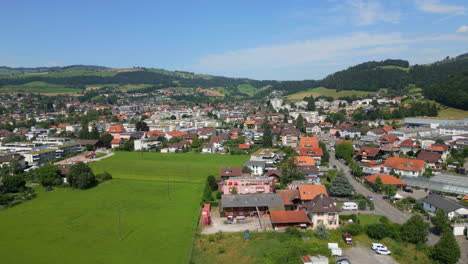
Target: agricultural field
pixel 452 113
pixel 147 214
pixel 40 87
pixel 395 67
pixel 322 91
pixel 247 89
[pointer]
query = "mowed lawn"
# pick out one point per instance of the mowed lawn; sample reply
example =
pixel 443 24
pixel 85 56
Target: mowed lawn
pixel 147 215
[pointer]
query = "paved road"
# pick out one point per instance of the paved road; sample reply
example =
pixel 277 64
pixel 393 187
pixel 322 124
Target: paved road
pixel 381 206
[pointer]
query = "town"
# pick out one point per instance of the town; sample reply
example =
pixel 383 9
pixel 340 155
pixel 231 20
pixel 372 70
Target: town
pixel 317 164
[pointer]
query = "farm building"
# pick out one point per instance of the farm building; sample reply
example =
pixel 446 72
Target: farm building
pixel 250 204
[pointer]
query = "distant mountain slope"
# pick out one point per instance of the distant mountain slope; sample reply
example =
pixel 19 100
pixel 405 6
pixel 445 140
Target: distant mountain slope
pixel 452 92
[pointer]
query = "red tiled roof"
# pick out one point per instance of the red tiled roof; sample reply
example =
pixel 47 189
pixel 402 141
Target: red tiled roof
pixel 370 152
pixel 244 146
pixel 386 179
pixel 175 133
pixel 116 141
pixel 409 143
pixel 309 192
pixel 285 217
pixel 405 164
pixel 304 161
pixel 314 152
pixel 388 138
pixel 438 147
pixel 388 128
pixel 116 129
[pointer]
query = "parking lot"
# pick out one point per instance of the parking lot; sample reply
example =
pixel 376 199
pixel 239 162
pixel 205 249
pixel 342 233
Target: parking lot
pixel 362 255
pixel 249 223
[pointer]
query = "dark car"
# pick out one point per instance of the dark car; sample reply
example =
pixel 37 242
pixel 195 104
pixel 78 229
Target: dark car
pixel 408 190
pixel 343 261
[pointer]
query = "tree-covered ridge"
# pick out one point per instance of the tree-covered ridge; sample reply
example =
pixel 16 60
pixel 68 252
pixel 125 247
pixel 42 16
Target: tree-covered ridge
pixel 452 92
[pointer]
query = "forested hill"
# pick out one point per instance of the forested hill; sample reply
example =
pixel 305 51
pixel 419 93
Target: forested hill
pixel 80 76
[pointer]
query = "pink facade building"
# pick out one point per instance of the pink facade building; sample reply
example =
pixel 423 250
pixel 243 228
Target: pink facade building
pixel 246 185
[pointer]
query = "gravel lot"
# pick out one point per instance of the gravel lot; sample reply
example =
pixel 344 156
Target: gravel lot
pixel 362 255
pixel 249 223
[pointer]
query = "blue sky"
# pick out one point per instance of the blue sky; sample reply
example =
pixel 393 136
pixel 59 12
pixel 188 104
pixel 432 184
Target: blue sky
pixel 282 40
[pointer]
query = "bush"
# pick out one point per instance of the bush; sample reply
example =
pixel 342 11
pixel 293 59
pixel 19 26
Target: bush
pixel 321 232
pixel 362 205
pixel 353 217
pixel 293 232
pixel 104 176
pixel 377 231
pixel 354 229
pixel 384 220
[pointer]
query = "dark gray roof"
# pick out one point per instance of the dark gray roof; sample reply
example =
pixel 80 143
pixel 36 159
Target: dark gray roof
pixel 442 203
pixel 255 162
pixel 251 200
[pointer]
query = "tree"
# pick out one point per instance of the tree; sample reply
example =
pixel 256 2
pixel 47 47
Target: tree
pixel 440 221
pixel 11 137
pixel 344 150
pixel 212 182
pixel 377 231
pixel 362 205
pixel 106 139
pixel 84 132
pixel 389 190
pixel 141 126
pixel 310 103
pixel 354 229
pixel 440 141
pixel 13 183
pixel 246 169
pixel 427 173
pixel 340 186
pixel 326 155
pixel 337 134
pixel 290 172
pixel 195 142
pixel 321 232
pixel 267 136
pixel 300 125
pixel 94 133
pixel 81 176
pixel 415 230
pixel 15 168
pixel 103 176
pixel 446 250
pixel 378 184
pixel 48 175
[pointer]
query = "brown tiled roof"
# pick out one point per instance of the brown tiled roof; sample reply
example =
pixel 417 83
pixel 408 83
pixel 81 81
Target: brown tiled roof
pixel 288 196
pixel 429 156
pixel 323 204
pixel 285 217
pixel 230 171
pixel 370 152
pixel 309 192
pixel 388 139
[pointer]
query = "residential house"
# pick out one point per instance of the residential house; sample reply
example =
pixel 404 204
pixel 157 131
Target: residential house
pixel 386 180
pixel 376 132
pixel 309 192
pixel 408 145
pixel 453 209
pixel 369 154
pixel 313 128
pixel 228 172
pixel 304 161
pixel 280 220
pixel 442 149
pixel 389 143
pixel 402 166
pixel 274 175
pixel 309 146
pixel 432 159
pixel 311 173
pixel 323 210
pixel 249 205
pixel 257 167
pixel 291 199
pixel 116 142
pixel 290 137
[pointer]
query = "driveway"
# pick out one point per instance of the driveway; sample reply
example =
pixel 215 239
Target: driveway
pixel 363 255
pixel 463 243
pixel 250 223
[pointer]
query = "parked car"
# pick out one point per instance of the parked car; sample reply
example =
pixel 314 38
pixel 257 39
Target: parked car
pixel 376 246
pixel 370 198
pixel 349 206
pixel 408 190
pixel 383 251
pixel 343 261
pixel 385 197
pixel 347 238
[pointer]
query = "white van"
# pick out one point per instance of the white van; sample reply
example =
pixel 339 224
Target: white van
pixel 349 206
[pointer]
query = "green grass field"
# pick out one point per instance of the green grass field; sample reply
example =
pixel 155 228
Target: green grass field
pixel 322 91
pixel 394 67
pixel 39 87
pixel 146 214
pixel 247 89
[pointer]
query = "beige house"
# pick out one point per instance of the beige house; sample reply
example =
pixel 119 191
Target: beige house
pixel 323 210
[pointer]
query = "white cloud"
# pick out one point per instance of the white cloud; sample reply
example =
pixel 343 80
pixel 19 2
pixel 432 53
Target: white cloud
pixel 463 30
pixel 435 6
pixel 301 53
pixel 364 13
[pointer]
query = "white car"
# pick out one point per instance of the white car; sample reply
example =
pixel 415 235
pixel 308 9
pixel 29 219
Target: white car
pixel 376 246
pixel 383 251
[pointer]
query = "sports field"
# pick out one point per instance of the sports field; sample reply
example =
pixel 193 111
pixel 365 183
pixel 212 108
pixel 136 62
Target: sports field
pixel 146 214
